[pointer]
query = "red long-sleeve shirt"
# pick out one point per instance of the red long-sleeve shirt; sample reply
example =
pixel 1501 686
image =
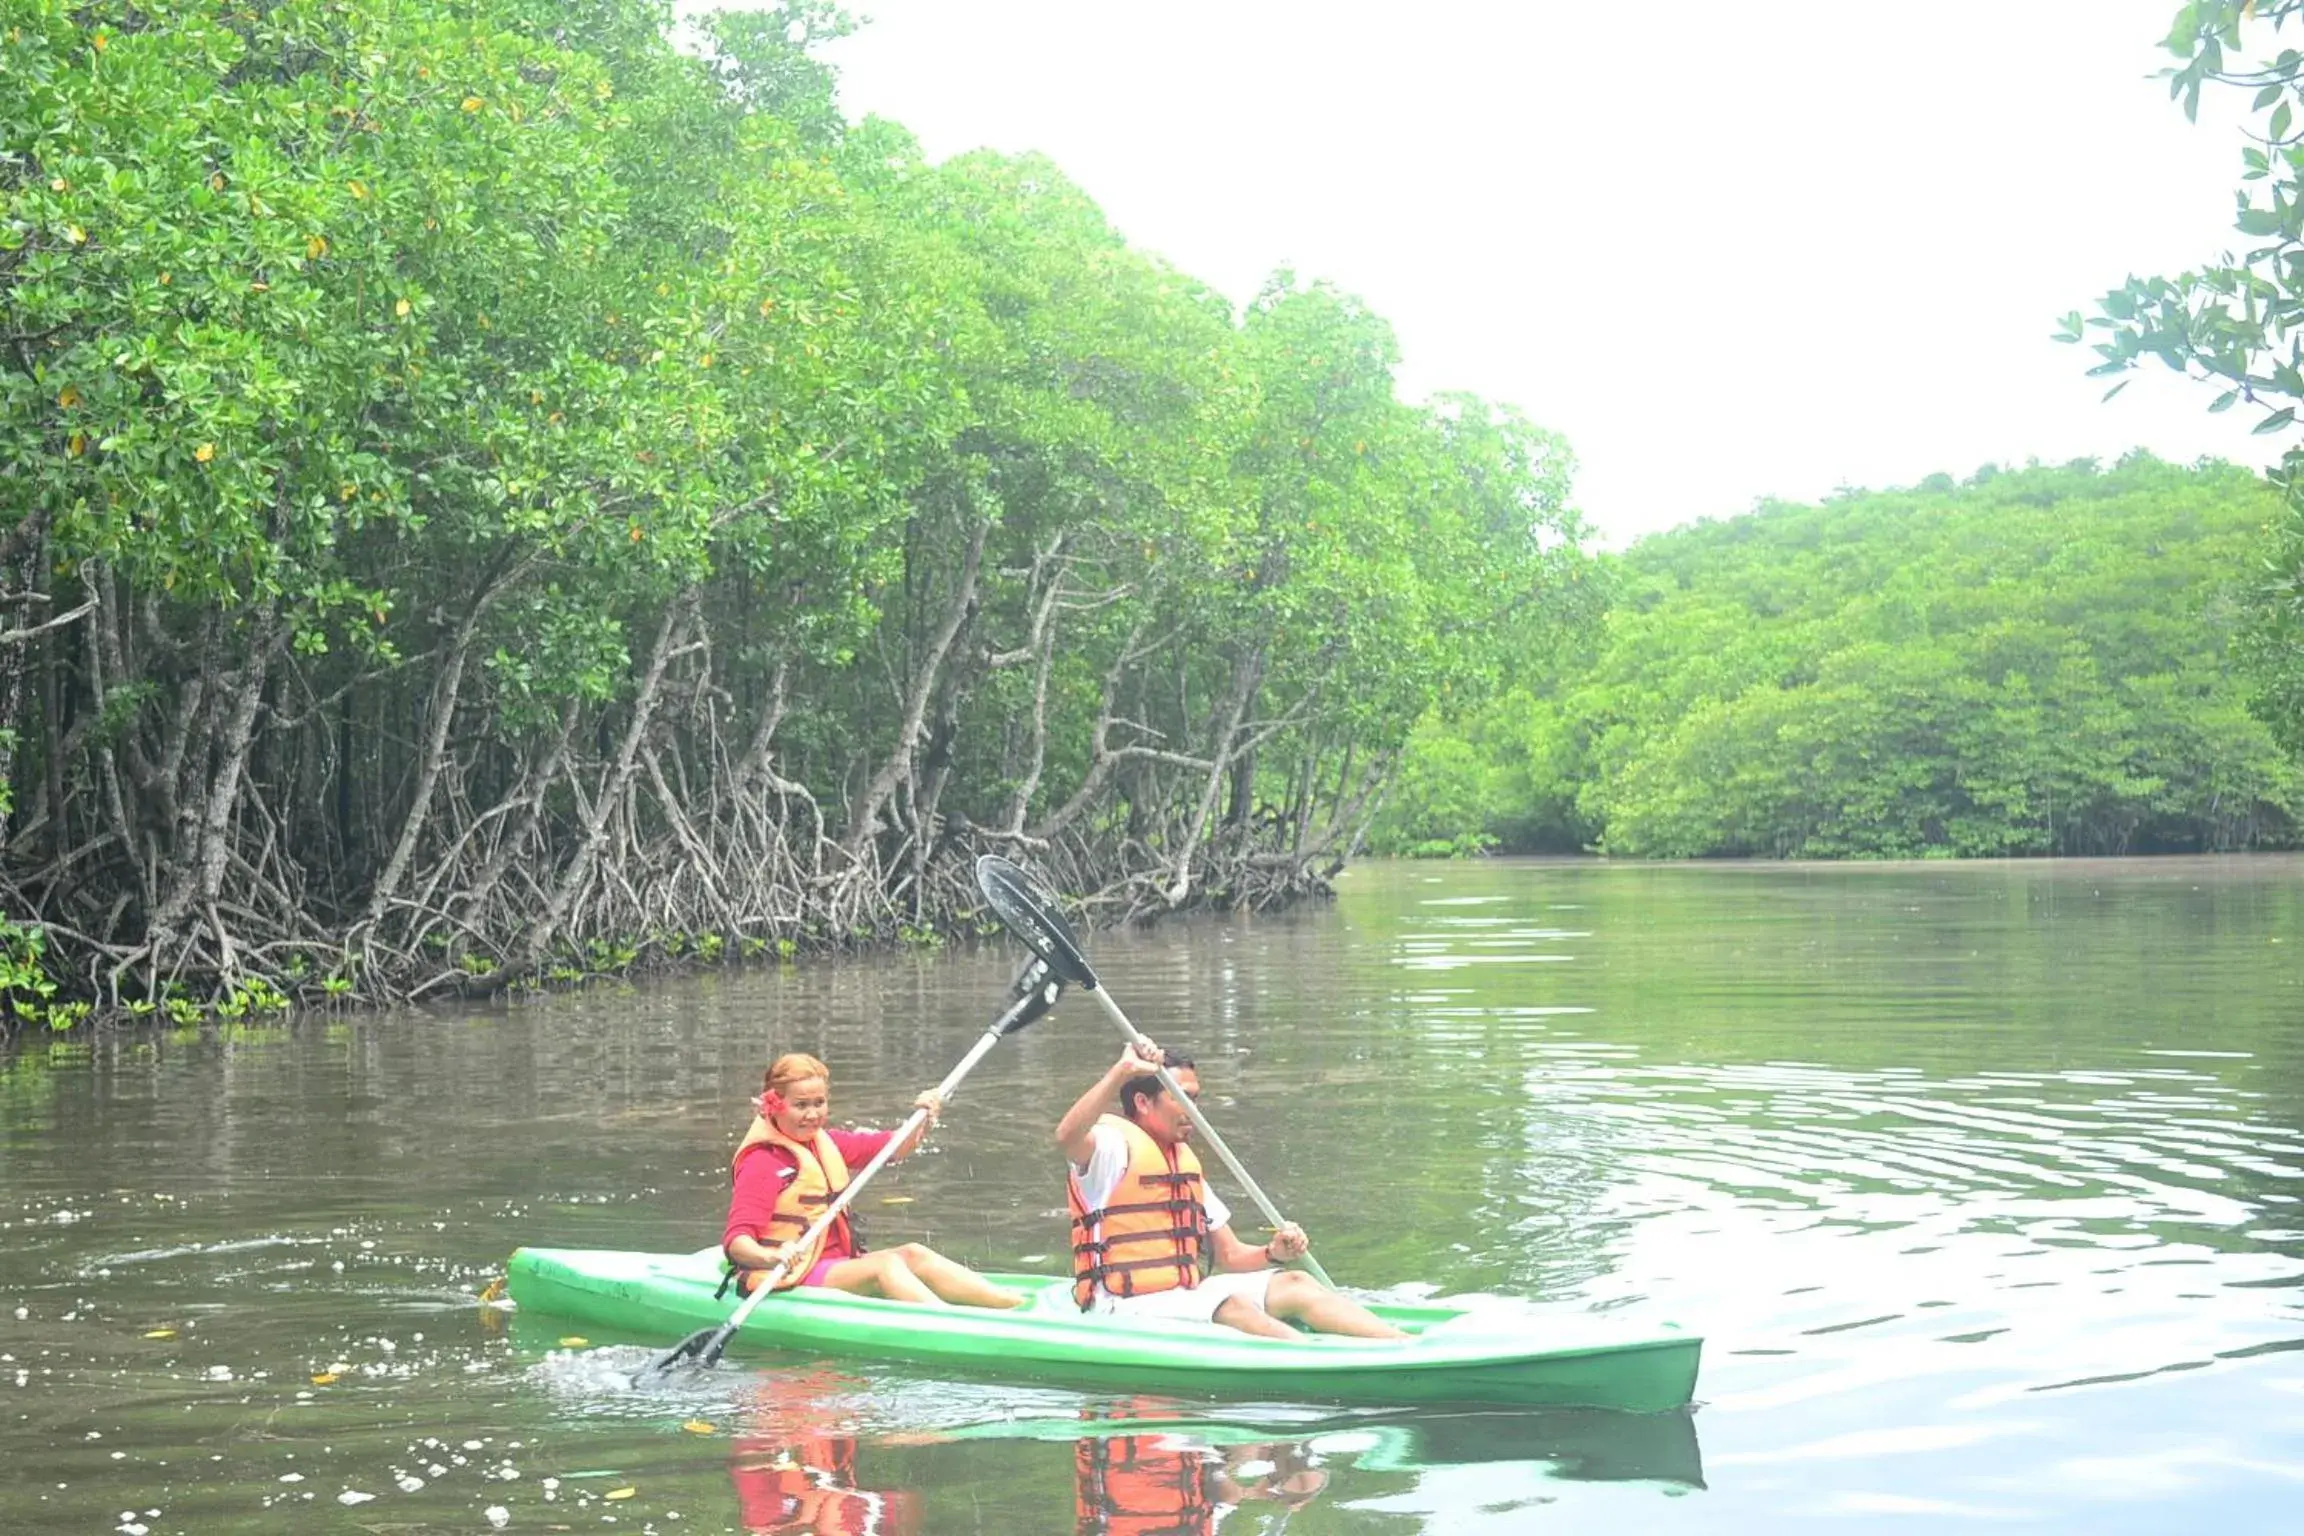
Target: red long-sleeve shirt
pixel 763 1171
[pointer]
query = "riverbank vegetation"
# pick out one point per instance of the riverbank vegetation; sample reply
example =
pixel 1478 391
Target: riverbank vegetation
pixel 2031 662
pixel 494 496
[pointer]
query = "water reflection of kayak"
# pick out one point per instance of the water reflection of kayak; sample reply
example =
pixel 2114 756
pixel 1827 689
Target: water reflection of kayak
pixel 1455 1356
pixel 1573 1445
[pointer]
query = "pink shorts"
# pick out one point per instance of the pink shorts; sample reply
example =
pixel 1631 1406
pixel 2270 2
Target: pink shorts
pixel 823 1267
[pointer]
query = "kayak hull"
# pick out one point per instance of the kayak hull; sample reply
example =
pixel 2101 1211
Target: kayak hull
pixel 1455 1356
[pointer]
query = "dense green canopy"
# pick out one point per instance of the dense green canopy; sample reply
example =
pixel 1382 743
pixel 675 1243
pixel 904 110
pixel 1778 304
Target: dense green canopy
pixel 2032 662
pixel 494 495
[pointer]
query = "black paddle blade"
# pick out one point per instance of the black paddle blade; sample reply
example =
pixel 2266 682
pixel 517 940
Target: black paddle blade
pixel 715 1346
pixel 704 1347
pixel 1028 911
pixel 1031 995
pixel 698 1347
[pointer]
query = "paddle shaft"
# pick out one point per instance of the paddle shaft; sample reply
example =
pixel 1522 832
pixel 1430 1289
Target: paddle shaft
pixel 822 1223
pixel 1208 1133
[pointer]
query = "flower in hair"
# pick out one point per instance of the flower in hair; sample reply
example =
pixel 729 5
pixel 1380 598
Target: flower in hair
pixel 770 1103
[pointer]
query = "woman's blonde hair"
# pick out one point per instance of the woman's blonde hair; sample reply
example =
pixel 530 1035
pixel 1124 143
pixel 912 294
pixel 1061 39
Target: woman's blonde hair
pixel 793 1067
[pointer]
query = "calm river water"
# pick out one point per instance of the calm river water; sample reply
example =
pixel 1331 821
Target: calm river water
pixel 1981 1182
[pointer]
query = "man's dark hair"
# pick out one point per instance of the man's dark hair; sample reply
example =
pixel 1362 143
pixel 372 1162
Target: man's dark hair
pixel 1146 1085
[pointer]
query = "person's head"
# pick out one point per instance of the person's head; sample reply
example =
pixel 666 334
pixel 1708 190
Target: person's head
pixel 1151 1106
pixel 797 1095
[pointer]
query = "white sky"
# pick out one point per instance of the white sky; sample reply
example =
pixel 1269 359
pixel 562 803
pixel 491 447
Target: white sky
pixel 1728 249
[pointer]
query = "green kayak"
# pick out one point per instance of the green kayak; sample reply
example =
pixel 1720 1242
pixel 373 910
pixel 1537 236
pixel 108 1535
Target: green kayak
pixel 1455 1356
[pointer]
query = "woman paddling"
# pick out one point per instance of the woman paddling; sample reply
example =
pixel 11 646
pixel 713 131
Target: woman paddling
pixel 791 1165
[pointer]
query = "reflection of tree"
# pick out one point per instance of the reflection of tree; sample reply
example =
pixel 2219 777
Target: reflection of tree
pixel 1759 1034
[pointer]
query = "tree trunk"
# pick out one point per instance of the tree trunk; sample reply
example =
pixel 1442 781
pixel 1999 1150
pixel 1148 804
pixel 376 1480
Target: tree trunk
pixel 678 615
pixel 898 764
pixel 1101 757
pixel 1247 677
pixel 200 877
pixel 445 689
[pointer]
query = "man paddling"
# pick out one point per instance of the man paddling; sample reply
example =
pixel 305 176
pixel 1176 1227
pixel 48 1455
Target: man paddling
pixel 1150 1239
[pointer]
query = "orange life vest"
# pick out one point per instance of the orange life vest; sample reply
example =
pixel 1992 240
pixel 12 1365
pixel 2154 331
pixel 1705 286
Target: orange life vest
pixel 1149 1237
pixel 823 1174
pixel 1141 1485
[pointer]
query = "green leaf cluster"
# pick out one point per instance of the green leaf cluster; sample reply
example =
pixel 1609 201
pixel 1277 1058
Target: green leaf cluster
pixel 2237 322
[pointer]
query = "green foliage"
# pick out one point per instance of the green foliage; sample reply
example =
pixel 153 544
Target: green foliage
pixel 2034 663
pixel 540 495
pixel 28 990
pixel 25 985
pixel 1445 785
pixel 761 58
pixel 2238 323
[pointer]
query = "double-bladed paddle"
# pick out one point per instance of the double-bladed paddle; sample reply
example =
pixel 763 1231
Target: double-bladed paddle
pixel 1035 993
pixel 1030 913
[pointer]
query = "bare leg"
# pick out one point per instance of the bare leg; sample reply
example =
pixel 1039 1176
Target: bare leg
pixel 885 1272
pixel 953 1281
pixel 1298 1298
pixel 1243 1314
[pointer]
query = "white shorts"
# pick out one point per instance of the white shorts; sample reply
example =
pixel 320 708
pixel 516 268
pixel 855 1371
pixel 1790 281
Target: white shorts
pixel 1197 1305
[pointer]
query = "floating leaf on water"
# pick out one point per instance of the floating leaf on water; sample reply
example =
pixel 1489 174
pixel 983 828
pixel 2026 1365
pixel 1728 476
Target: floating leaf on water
pixel 575 1341
pixel 697 1427
pixel 895 1199
pixel 494 1289
pixel 620 1493
pixel 324 1379
pixel 161 1333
